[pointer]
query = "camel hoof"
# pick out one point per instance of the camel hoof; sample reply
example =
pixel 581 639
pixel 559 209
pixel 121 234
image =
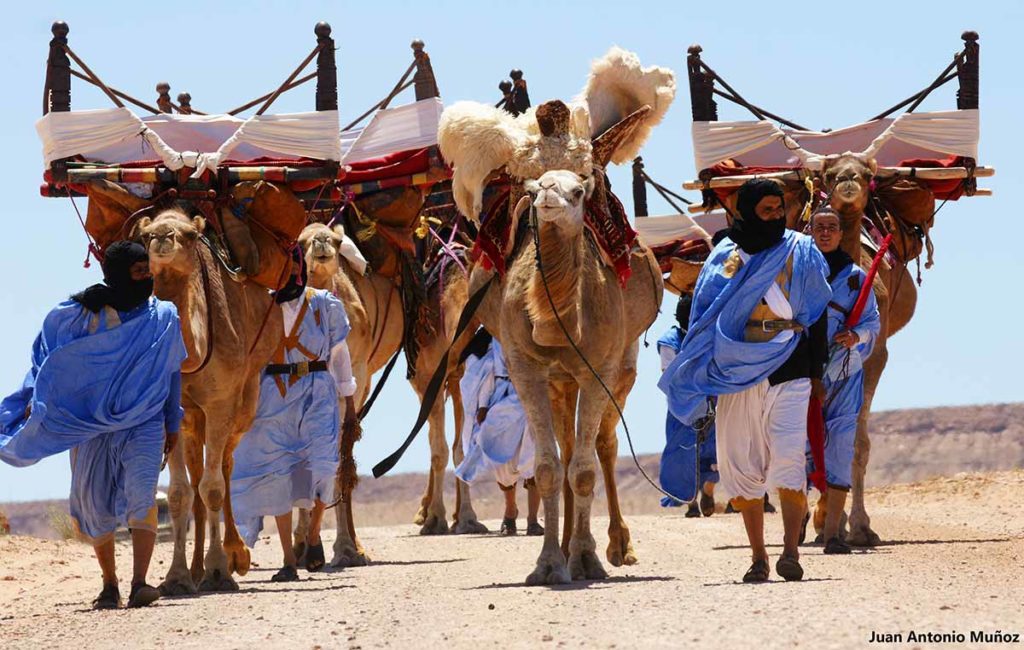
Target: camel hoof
pixel 863 537
pixel 178 587
pixel 586 566
pixel 216 582
pixel 549 572
pixel 470 527
pixel 239 560
pixel 434 525
pixel 620 552
pixel 421 516
pixel 347 558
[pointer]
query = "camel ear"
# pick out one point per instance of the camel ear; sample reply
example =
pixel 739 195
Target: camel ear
pixel 532 188
pixel 199 224
pixel 138 227
pixel 522 206
pixel 872 165
pixel 588 185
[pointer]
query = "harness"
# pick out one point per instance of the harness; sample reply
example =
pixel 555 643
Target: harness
pixel 280 369
pixel 763 323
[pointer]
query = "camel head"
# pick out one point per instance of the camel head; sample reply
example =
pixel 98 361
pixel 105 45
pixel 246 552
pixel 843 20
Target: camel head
pixel 847 178
pixel 322 248
pixel 559 197
pixel 171 239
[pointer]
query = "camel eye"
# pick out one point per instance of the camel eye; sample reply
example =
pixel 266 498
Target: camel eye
pixel 577 193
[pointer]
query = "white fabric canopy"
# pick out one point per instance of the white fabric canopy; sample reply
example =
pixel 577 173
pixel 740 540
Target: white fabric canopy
pixel 656 231
pixel 413 126
pixel 911 135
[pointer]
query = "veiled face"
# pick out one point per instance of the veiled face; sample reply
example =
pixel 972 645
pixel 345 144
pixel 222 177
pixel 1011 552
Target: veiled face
pixel 770 208
pixel 140 271
pixel 558 197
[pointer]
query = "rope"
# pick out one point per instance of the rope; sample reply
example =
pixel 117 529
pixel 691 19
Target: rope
pixel 92 249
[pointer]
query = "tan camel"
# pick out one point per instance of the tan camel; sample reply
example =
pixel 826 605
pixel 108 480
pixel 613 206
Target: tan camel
pixel 587 298
pixel 847 179
pixel 221 324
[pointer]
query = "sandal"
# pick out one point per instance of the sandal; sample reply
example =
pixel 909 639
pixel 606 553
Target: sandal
pixel 143 595
pixel 789 568
pixel 692 511
pixel 508 526
pixel 707 504
pixel 534 529
pixel 288 573
pixel 758 572
pixel 836 546
pixel 768 507
pixel 315 557
pixel 109 598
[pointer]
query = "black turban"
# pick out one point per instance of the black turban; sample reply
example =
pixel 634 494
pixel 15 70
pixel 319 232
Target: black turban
pixel 118 290
pixel 749 231
pixel 296 281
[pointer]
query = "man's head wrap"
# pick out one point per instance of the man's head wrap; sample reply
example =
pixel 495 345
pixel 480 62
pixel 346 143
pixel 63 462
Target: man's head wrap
pixel 118 290
pixel 477 346
pixel 749 231
pixel 296 281
pixel 683 311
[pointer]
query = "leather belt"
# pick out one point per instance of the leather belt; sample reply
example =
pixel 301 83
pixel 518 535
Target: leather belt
pixel 300 369
pixel 779 325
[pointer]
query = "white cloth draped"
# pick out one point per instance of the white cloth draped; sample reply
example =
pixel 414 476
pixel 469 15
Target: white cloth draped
pixel 403 128
pixel 911 135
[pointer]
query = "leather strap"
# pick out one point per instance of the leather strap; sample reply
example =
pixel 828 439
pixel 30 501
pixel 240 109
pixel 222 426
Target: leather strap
pixel 300 369
pixel 776 325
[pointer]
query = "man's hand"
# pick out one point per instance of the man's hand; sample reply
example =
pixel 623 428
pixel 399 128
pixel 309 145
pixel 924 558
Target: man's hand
pixel 847 338
pixel 350 410
pixel 170 441
pixel 818 390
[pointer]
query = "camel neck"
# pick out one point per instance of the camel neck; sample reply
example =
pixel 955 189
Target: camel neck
pixel 561 255
pixel 850 242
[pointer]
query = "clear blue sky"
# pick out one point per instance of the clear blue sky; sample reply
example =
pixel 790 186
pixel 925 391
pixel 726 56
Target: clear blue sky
pixel 822 65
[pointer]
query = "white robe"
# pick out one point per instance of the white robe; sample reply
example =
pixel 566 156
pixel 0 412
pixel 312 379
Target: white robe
pixel 499 448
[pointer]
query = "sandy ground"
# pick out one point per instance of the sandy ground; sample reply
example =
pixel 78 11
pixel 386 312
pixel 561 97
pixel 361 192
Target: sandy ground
pixel 954 562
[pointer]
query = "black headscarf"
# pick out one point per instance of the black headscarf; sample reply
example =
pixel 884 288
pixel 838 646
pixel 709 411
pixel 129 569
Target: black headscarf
pixel 296 281
pixel 749 232
pixel 118 290
pixel 683 311
pixel 477 346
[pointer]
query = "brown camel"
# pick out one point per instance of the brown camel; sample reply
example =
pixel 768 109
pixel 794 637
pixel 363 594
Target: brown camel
pixel 221 324
pixel 587 298
pixel 847 178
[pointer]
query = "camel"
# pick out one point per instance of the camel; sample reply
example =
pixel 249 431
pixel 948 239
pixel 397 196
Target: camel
pixel 227 347
pixel 847 179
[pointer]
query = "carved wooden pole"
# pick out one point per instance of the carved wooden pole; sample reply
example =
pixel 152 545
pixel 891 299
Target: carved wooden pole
pixel 163 100
pixel 423 80
pixel 520 97
pixel 639 188
pixel 57 91
pixel 326 70
pixel 185 103
pixel 968 73
pixel 701 88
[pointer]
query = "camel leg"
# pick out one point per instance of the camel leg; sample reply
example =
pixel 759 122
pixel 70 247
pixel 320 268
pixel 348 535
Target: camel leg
pixel 563 405
pixel 348 552
pixel 239 558
pixel 466 521
pixel 532 385
pixel 620 548
pixel 436 522
pixel 428 495
pixel 217 576
pixel 179 581
pixel 301 533
pixel 194 459
pixel 860 524
pixel 583 561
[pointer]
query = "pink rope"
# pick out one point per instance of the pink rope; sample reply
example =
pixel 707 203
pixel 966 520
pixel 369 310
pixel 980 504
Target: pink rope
pixel 93 249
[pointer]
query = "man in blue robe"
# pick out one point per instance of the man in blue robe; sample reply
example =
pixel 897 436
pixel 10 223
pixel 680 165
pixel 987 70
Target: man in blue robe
pixel 844 374
pixel 289 458
pixel 495 438
pixel 680 471
pixel 105 384
pixel 757 340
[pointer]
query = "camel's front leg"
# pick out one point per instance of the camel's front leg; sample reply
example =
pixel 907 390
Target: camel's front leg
pixel 563 396
pixel 531 384
pixel 583 561
pixel 466 521
pixel 436 522
pixel 179 581
pixel 213 489
pixel 620 547
pixel 860 524
pixel 348 552
pixel 194 460
pixel 239 558
pixel 300 533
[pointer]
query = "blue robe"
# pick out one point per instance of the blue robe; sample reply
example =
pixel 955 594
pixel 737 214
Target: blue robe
pixel 844 374
pixel 499 448
pixel 715 359
pixel 290 455
pixel 678 467
pixel 109 397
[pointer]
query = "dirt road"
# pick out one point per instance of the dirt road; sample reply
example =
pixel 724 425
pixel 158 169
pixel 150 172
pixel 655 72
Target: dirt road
pixel 954 564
